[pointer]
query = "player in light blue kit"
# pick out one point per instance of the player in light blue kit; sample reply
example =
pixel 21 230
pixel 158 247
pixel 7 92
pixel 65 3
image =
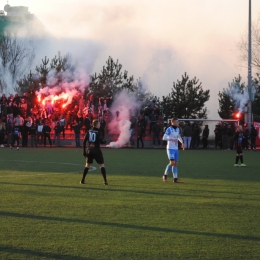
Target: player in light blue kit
pixel 173 136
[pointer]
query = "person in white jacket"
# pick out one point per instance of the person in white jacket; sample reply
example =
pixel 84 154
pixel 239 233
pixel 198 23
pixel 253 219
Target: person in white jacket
pixel 173 136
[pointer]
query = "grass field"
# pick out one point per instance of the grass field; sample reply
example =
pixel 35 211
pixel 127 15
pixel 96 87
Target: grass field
pixel 46 214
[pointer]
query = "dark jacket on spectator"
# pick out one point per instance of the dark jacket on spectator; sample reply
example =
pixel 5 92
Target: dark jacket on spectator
pixel 187 131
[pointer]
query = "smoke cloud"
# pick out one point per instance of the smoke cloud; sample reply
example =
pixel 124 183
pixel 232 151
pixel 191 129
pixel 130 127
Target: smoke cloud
pixel 64 85
pixel 123 106
pixel 241 99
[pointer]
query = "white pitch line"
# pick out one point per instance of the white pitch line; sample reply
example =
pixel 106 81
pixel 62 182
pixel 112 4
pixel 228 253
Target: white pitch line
pixel 92 168
pixel 3 176
pixel 42 162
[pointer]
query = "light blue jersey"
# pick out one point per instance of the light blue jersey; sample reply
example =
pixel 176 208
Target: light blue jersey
pixel 172 136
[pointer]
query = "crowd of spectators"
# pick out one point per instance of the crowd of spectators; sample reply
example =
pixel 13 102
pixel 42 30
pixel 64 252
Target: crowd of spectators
pixel 195 134
pixel 225 133
pixel 23 116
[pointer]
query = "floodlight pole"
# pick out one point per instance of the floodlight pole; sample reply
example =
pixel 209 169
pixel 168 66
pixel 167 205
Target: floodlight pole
pixel 249 120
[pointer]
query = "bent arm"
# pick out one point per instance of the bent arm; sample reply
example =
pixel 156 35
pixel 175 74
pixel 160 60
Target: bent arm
pixel 180 139
pixel 166 137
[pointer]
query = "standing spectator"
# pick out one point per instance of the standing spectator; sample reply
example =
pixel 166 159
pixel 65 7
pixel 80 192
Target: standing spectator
pixel 239 136
pixel 17 100
pixel 16 110
pixel 33 134
pixel 153 119
pixel 156 133
pixel 46 134
pixel 218 137
pixel 230 135
pixel 23 107
pixel 9 129
pixel 40 133
pixel 187 132
pixel 205 136
pixel 76 129
pixel 19 121
pixel 9 107
pixel 24 133
pixel 105 107
pixel 253 135
pixel 87 123
pixel 2 133
pixel 57 131
pixel 62 125
pixel 16 135
pixel 141 130
pixel 246 136
pixel 132 129
pixel 3 104
pixel 79 118
pixel 196 134
pixel 224 132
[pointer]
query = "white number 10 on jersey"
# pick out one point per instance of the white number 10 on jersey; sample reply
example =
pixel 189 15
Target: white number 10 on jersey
pixel 92 137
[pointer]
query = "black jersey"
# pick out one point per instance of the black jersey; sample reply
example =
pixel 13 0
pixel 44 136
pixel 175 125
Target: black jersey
pixel 239 138
pixel 93 137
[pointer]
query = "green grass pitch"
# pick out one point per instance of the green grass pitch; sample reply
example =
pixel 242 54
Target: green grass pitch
pixel 46 214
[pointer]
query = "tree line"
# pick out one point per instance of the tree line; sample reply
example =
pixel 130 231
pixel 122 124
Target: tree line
pixel 186 100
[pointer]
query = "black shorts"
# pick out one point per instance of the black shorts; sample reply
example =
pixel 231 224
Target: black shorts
pixel 239 150
pixel 95 154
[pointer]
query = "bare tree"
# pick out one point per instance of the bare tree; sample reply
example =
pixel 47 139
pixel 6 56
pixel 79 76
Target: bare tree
pixel 16 58
pixel 242 47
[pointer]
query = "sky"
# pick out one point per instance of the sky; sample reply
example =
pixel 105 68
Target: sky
pixel 156 40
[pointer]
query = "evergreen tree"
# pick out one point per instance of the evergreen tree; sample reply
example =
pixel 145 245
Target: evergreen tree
pixel 235 98
pixel 37 80
pixel 226 106
pixel 111 80
pixel 187 99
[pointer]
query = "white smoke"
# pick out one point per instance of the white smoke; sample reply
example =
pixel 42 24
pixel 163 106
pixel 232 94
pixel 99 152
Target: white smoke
pixel 120 123
pixel 16 57
pixel 6 80
pixel 241 99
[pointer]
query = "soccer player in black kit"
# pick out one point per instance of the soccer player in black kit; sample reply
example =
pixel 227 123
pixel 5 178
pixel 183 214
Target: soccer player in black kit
pixel 93 151
pixel 239 136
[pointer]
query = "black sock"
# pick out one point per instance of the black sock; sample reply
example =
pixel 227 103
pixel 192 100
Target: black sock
pixel 103 171
pixel 84 174
pixel 237 158
pixel 241 158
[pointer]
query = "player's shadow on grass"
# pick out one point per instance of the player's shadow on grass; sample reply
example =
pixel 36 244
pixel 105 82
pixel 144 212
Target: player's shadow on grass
pixel 34 253
pixel 128 226
pixel 163 193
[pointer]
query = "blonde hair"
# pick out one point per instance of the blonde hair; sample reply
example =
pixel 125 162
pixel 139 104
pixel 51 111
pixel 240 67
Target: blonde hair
pixel 95 122
pixel 174 119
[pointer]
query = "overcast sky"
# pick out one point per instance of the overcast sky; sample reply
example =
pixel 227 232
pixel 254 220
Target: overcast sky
pixel 157 40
